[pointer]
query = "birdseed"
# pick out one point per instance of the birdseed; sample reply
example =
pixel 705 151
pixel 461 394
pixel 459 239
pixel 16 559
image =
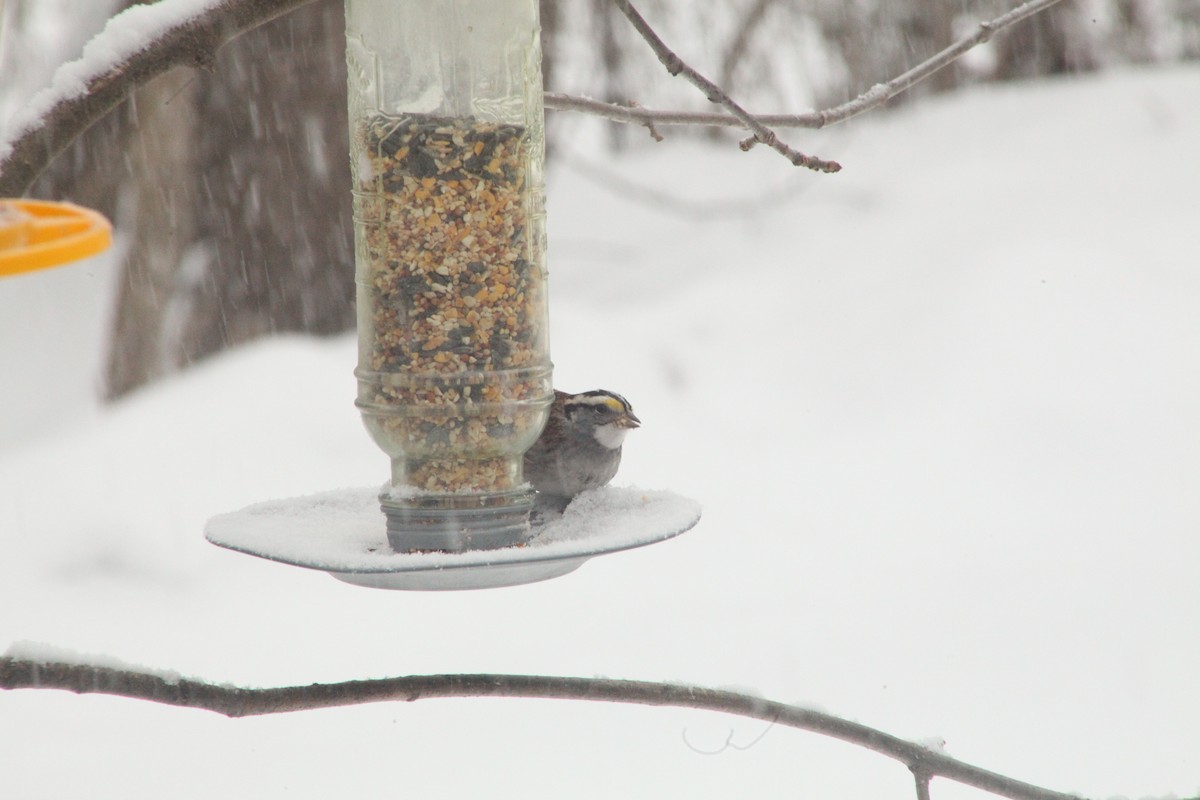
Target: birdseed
pixel 454 368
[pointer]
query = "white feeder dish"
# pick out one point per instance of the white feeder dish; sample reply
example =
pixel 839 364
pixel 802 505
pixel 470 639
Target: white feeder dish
pixel 343 533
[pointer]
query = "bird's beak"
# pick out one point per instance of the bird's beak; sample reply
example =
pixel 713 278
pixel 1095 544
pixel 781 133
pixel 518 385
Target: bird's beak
pixel 628 420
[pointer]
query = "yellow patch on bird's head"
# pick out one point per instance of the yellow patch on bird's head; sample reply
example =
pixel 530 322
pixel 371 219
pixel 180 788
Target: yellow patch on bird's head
pixel 610 400
pixel 614 404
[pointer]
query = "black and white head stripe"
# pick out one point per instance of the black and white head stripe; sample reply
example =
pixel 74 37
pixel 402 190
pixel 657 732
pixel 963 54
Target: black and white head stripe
pixel 599 397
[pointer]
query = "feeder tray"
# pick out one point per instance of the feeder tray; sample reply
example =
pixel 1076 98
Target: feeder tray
pixel 342 533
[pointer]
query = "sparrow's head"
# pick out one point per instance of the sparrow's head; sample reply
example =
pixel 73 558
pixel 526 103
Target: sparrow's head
pixel 605 415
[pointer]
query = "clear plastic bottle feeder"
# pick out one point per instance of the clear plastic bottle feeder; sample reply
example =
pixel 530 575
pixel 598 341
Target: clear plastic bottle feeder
pixel 454 375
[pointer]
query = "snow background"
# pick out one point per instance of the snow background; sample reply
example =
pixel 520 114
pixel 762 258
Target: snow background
pixel 940 411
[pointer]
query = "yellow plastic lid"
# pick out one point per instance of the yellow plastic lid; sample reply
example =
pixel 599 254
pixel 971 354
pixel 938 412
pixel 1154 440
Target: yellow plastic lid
pixel 37 234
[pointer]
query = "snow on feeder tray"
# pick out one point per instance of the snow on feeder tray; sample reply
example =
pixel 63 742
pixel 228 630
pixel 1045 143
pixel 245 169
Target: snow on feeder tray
pixel 340 532
pixel 454 373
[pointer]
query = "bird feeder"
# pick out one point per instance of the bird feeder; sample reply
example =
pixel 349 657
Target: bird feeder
pixel 454 372
pixel 51 250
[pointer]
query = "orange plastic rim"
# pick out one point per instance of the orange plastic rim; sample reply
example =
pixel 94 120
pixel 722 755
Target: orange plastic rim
pixel 38 234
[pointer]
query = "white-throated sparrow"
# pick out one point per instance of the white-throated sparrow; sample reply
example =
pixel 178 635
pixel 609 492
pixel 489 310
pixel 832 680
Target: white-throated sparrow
pixel 580 447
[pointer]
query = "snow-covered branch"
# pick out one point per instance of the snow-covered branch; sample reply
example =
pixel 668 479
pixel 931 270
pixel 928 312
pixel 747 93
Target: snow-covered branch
pixel 17 672
pixel 129 53
pixel 139 44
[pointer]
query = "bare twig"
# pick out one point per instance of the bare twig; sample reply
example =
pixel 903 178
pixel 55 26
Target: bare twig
pixel 25 673
pixel 676 66
pixel 729 743
pixel 634 114
pixel 654 134
pixel 922 777
pixel 191 42
pixel 873 97
pixel 982 33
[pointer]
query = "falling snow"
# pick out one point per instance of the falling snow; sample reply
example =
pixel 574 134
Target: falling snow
pixel 125 34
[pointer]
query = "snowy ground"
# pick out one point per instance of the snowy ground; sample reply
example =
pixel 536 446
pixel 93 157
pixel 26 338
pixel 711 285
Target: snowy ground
pixel 941 412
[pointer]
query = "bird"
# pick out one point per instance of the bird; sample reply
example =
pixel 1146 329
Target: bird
pixel 580 447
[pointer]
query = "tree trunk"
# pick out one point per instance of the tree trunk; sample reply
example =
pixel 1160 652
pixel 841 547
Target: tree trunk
pixel 155 215
pixel 231 191
pixel 273 186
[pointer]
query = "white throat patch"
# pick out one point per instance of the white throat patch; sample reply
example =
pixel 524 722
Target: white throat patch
pixel 610 436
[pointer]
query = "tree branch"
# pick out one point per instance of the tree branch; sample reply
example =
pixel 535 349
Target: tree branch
pixel 25 673
pixel 676 66
pixel 191 42
pixel 922 777
pixel 875 96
